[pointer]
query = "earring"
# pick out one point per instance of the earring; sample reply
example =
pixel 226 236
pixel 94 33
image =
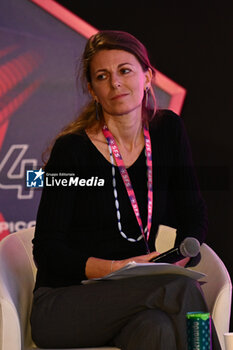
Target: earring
pixel 96 111
pixel 146 97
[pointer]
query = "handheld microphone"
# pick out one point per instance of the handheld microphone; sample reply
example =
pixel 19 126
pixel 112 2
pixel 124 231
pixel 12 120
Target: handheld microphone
pixel 190 247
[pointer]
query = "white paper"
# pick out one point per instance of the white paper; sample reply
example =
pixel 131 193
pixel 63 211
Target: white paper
pixel 134 269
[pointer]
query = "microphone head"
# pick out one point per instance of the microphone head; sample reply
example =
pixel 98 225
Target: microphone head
pixel 190 247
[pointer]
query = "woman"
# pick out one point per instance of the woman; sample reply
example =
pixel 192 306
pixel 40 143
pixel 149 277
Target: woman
pixel 84 232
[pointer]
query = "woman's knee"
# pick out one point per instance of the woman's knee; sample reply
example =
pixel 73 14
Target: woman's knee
pixel 147 330
pixel 160 327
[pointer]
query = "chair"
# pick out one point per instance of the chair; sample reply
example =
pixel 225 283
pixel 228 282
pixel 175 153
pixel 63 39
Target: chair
pixel 217 290
pixel 17 276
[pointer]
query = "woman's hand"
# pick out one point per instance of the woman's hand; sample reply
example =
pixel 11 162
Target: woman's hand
pixel 96 268
pixel 118 264
pixel 182 262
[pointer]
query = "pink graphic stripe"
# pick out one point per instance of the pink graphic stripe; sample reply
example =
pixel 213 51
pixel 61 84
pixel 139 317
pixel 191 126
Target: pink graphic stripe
pixel 176 91
pixel 12 106
pixel 67 17
pixel 5 232
pixel 7 50
pixel 14 71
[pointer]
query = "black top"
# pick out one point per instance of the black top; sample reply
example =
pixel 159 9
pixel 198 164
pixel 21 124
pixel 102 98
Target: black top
pixel 74 223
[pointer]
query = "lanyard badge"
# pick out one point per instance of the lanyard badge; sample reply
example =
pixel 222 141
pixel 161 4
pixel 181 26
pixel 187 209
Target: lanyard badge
pixel 114 151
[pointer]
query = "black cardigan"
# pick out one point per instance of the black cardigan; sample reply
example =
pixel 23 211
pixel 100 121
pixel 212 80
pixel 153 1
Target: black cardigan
pixel 76 223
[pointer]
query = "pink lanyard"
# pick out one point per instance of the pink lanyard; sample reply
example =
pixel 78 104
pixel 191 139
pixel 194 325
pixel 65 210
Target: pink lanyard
pixel 125 177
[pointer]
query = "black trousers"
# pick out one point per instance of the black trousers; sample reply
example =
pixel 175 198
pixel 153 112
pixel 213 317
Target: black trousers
pixel 139 313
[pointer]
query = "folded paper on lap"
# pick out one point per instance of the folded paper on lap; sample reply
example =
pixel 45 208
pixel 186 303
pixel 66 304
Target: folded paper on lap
pixel 134 269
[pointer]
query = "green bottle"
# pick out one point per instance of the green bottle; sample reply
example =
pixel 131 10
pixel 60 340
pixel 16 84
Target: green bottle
pixel 199 331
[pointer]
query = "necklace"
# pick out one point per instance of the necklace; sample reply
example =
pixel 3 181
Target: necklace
pixel 114 151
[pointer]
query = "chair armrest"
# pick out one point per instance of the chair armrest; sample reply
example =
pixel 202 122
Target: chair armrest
pixel 10 337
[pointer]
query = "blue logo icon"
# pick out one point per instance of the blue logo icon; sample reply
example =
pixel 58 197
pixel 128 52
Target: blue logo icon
pixel 35 178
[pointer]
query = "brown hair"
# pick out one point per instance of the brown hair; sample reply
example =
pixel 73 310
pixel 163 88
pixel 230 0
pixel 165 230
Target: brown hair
pixel 107 40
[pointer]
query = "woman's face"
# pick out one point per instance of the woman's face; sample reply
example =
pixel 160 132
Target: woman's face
pixel 118 81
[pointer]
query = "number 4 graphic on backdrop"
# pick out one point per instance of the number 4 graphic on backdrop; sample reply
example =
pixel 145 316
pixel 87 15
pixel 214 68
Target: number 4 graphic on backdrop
pixel 13 169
